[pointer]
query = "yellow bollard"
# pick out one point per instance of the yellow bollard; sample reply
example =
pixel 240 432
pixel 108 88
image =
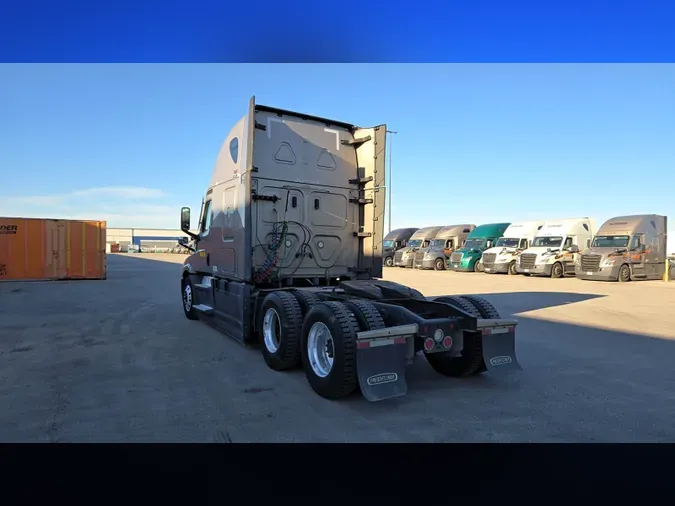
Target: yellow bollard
pixel 666 276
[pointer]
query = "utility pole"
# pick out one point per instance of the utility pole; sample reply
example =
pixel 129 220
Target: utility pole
pixel 390 132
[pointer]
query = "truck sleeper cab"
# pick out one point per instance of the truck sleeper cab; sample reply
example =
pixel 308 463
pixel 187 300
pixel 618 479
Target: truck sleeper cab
pixel 626 248
pixel 554 251
pixel 394 241
pixel 448 239
pixel 289 254
pixel 467 259
pixel 420 239
pixel 502 257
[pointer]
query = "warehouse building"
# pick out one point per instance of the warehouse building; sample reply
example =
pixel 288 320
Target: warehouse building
pixel 145 240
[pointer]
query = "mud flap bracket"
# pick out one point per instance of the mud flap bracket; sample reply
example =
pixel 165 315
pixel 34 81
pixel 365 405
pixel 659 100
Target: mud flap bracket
pixel 381 361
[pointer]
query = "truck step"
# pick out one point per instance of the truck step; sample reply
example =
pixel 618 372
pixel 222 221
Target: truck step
pixel 204 308
pixel 205 284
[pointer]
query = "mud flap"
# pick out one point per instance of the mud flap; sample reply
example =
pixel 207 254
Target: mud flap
pixel 499 349
pixel 381 362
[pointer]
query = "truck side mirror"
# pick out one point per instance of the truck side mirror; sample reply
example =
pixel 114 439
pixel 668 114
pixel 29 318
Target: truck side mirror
pixel 574 248
pixel 185 218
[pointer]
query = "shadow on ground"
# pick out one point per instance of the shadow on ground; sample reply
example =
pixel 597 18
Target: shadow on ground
pixel 511 303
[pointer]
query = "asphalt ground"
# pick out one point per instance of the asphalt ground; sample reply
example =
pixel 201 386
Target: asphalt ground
pixel 117 361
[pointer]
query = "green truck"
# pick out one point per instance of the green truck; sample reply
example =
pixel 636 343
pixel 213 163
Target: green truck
pixel 467 259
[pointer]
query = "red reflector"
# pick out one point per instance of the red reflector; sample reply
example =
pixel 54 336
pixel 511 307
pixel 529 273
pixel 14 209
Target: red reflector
pixel 362 344
pixel 447 342
pixel 428 344
pixel 399 340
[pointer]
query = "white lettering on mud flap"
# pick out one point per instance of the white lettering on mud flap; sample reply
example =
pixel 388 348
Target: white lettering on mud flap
pixel 380 379
pixel 500 360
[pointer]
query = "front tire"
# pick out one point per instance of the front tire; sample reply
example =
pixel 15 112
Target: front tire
pixel 329 349
pixel 557 270
pixel 477 267
pixel 512 269
pixel 280 327
pixel 624 274
pixel 188 292
pixel 439 265
pixel 389 262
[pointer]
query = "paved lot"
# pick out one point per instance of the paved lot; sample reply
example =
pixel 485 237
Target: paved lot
pixel 116 360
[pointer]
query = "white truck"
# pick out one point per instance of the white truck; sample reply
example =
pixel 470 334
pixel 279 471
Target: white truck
pixel 554 250
pixel 502 257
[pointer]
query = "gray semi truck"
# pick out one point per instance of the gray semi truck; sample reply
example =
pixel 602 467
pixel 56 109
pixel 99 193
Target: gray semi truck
pixel 289 256
pixel 394 241
pixel 626 248
pixel 419 240
pixel 447 240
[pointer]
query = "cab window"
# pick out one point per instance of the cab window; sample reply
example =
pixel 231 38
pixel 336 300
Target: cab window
pixel 568 242
pixel 636 243
pixel 425 244
pixel 206 220
pixel 448 244
pixel 523 244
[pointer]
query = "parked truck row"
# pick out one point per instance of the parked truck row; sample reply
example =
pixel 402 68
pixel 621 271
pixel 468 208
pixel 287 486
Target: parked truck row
pixel 624 248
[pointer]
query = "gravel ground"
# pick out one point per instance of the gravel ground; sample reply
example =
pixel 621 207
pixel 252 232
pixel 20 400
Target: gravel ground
pixel 116 360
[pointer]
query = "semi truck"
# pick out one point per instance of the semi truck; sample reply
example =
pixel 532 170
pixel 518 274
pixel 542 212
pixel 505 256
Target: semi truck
pixel 555 250
pixel 501 258
pixel 289 256
pixel 420 239
pixel 394 241
pixel 626 248
pixel 467 258
pixel 447 240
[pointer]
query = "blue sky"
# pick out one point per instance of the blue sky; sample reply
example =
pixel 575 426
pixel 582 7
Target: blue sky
pixel 477 142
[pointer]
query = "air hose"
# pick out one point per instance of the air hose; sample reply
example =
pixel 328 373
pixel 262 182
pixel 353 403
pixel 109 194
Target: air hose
pixel 278 237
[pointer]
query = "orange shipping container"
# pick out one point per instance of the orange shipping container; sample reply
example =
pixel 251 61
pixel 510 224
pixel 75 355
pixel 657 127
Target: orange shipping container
pixel 36 249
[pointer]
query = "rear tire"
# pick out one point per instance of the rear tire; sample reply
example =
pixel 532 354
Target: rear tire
pixel 471 360
pixel 188 294
pixel 388 262
pixel 306 300
pixel 512 269
pixel 624 274
pixel 557 270
pixel 485 309
pixel 280 328
pixel 331 369
pixel 367 315
pixel 439 265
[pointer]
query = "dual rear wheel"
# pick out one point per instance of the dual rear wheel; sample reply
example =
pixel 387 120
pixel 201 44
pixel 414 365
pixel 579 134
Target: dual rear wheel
pixel 298 328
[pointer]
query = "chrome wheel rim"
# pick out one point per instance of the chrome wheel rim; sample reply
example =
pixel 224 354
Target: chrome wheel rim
pixel 320 349
pixel 187 298
pixel 271 330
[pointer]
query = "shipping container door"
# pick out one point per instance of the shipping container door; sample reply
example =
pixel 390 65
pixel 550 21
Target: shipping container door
pixel 57 252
